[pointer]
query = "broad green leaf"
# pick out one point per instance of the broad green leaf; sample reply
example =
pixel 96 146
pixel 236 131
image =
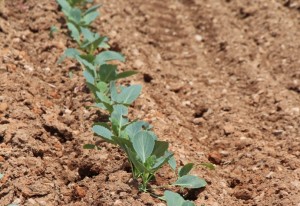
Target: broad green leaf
pixel 85 63
pixel 113 91
pixel 117 118
pixel 103 98
pixel 75 15
pixel 123 143
pixel 190 181
pixel 135 161
pixel 162 160
pixel 102 87
pixel 173 199
pixel 135 127
pixel 75 33
pixel 64 6
pixel 105 56
pixel 129 94
pixel 87 34
pixel 108 72
pixel 69 53
pixel 188 203
pixel 101 106
pixel 88 76
pixel 172 163
pixel 103 132
pixel 185 169
pixel 160 148
pixel 126 74
pixel 121 109
pixel 143 144
pixel 89 18
pixel 88 57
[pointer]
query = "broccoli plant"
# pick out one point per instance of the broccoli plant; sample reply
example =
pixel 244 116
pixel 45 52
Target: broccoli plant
pixel 146 153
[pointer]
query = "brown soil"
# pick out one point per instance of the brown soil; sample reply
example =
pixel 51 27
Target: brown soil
pixel 221 83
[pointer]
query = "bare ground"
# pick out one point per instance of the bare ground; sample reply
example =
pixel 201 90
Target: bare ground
pixel 221 83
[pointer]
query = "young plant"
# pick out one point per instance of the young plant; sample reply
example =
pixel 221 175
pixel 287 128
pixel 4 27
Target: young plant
pixel 146 154
pixel 76 18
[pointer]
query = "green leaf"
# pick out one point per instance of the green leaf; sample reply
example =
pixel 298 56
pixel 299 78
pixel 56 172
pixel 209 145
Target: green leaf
pixel 108 72
pixel 129 94
pixel 69 53
pixel 87 34
pixel 174 199
pixel 75 16
pixel 113 91
pixel 105 56
pixel 88 76
pixel 117 118
pixel 75 33
pixel 103 132
pixel 185 169
pixel 143 144
pixel 160 148
pixel 190 181
pixel 89 18
pixel 64 6
pixel 126 74
pixel 102 87
pixel 172 163
pixel 162 160
pixel 89 146
pixel 133 128
pixel 135 161
pixel 103 98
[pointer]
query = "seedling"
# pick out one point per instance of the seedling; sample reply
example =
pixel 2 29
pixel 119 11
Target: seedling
pixel 145 152
pixel 76 18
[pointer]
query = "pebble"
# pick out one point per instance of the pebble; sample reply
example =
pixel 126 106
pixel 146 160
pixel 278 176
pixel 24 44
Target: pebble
pixel 198 121
pixel 215 158
pixel 277 132
pixel 138 64
pixel 198 38
pixel 3 107
pixel 228 129
pixel 270 175
pixel 80 191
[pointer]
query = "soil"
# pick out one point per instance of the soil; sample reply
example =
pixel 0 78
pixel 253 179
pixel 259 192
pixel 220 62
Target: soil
pixel 221 83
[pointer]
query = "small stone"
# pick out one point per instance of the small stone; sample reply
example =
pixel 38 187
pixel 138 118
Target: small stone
pixel 198 121
pixel 80 191
pixel 228 129
pixel 138 64
pixel 198 38
pixel 270 175
pixel 243 194
pixel 3 107
pixel 215 158
pixel 277 132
